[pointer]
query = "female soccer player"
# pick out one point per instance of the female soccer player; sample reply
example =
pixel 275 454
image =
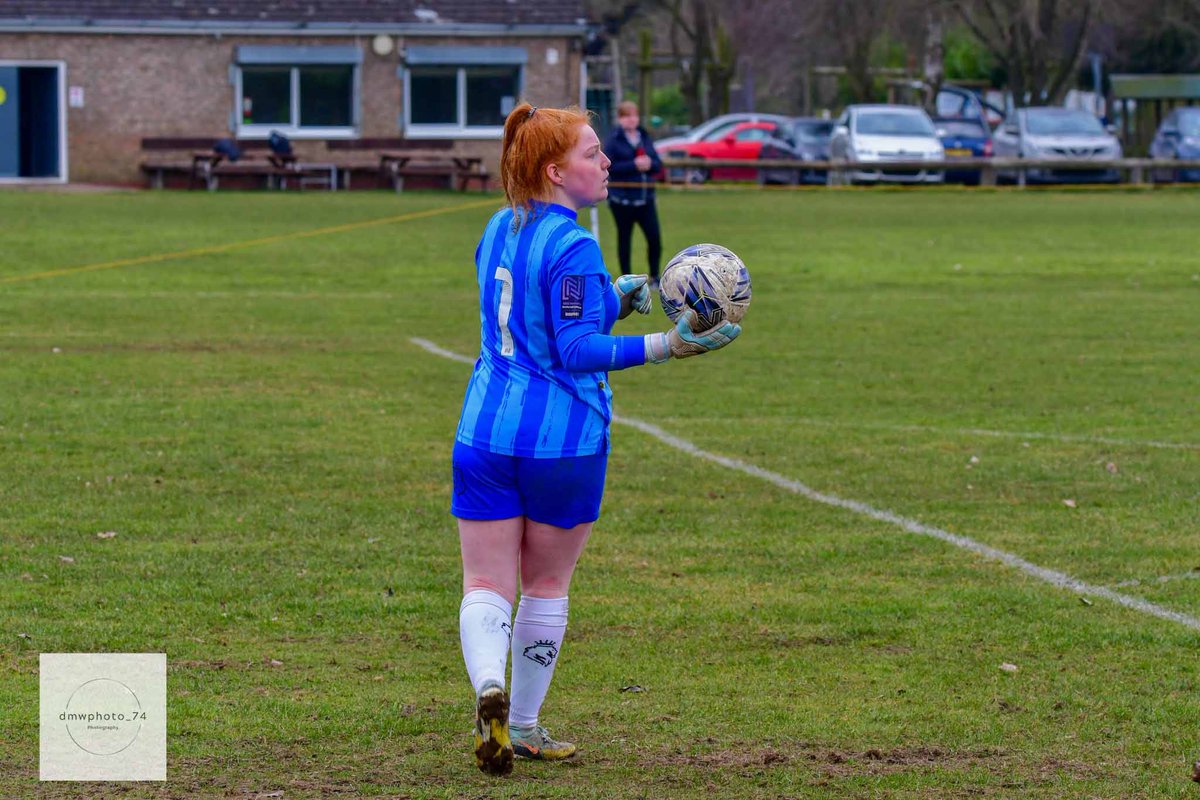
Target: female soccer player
pixel 635 162
pixel 532 443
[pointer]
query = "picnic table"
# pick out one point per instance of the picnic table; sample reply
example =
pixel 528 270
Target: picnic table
pixel 459 169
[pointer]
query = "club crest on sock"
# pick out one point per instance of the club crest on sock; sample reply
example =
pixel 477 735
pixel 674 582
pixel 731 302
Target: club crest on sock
pixel 543 651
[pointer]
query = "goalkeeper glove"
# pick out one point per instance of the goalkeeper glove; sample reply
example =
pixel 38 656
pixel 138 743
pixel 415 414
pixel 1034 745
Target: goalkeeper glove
pixel 682 341
pixel 633 293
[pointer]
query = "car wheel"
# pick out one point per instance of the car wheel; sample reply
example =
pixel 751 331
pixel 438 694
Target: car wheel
pixel 696 175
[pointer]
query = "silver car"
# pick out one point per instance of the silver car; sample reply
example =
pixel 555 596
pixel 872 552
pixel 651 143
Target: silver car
pixel 887 133
pixel 1061 134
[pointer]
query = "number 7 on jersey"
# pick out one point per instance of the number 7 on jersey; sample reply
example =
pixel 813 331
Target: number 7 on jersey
pixel 505 310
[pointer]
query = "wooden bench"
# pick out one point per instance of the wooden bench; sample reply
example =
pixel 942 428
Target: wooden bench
pixel 203 166
pixel 458 170
pixel 394 160
pixel 206 167
pixel 381 161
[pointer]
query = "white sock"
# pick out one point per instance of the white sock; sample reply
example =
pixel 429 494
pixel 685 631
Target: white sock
pixel 485 628
pixel 537 638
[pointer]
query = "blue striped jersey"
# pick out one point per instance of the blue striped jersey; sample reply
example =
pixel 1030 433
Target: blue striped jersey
pixel 546 306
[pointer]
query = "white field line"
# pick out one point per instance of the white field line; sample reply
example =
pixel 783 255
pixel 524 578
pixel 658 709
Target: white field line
pixel 1183 576
pixel 1053 577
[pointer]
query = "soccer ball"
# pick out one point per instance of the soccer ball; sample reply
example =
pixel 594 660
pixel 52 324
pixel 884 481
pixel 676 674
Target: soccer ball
pixel 708 278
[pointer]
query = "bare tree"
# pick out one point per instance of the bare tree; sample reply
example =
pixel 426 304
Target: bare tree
pixel 778 40
pixel 1162 36
pixel 1040 43
pixel 701 46
pixel 935 56
pixel 857 27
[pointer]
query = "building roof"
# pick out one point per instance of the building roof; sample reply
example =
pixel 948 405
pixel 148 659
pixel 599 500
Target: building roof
pixel 290 14
pixel 1156 87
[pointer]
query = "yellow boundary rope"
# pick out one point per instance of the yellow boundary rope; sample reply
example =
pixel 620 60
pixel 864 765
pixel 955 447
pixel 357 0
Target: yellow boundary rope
pixel 221 248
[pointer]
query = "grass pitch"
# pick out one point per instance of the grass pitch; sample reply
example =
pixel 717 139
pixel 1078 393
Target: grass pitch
pixel 252 420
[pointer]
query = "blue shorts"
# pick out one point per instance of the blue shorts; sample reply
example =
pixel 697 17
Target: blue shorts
pixel 563 492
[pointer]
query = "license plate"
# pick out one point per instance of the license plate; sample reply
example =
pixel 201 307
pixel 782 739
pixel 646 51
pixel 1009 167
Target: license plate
pixel 958 151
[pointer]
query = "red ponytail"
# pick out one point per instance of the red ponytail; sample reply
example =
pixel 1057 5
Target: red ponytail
pixel 534 138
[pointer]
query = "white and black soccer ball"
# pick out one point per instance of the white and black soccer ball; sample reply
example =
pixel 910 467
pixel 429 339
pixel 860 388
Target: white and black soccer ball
pixel 708 278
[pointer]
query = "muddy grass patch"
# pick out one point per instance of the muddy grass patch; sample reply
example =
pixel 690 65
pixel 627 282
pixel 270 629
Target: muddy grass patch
pixel 831 761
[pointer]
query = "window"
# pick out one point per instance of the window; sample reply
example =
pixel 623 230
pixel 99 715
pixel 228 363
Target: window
pixel 721 131
pixel 814 132
pixel 894 123
pixel 1189 123
pixel 461 91
pixel 751 135
pixel 961 127
pixel 299 91
pixel 1056 121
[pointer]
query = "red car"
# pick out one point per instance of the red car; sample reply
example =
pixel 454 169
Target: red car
pixel 744 142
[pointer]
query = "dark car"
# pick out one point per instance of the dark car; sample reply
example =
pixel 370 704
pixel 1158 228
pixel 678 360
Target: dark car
pixel 1178 137
pixel 806 139
pixel 963 138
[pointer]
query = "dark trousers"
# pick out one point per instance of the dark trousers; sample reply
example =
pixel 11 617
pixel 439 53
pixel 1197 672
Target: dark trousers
pixel 646 216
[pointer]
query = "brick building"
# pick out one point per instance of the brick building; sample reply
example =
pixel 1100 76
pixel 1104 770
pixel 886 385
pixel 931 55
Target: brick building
pixel 83 83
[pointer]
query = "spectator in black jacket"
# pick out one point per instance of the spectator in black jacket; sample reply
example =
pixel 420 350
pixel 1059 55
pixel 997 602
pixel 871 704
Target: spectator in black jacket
pixel 634 163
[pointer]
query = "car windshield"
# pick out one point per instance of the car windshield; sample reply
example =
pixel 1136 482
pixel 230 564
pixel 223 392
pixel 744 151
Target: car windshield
pixel 893 123
pixel 720 131
pixel 1189 124
pixel 1062 122
pixel 813 132
pixel 954 104
pixel 959 127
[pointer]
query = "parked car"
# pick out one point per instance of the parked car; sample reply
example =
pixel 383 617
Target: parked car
pixel 743 141
pixel 963 138
pixel 805 140
pixel 1178 137
pixel 717 127
pixel 711 130
pixel 887 133
pixel 959 103
pixel 1057 134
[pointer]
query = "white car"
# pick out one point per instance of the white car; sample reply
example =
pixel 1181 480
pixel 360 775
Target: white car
pixel 887 133
pixel 1060 134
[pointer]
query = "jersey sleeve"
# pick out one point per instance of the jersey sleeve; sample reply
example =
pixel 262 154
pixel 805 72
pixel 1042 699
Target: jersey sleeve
pixel 580 290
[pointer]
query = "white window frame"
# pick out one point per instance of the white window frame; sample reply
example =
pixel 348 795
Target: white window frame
pixel 460 129
pixel 292 129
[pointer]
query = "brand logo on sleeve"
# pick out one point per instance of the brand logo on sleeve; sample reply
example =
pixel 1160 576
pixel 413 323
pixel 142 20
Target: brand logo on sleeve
pixel 572 297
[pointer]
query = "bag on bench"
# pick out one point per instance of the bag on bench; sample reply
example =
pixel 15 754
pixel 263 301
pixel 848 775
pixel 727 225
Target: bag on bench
pixel 228 149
